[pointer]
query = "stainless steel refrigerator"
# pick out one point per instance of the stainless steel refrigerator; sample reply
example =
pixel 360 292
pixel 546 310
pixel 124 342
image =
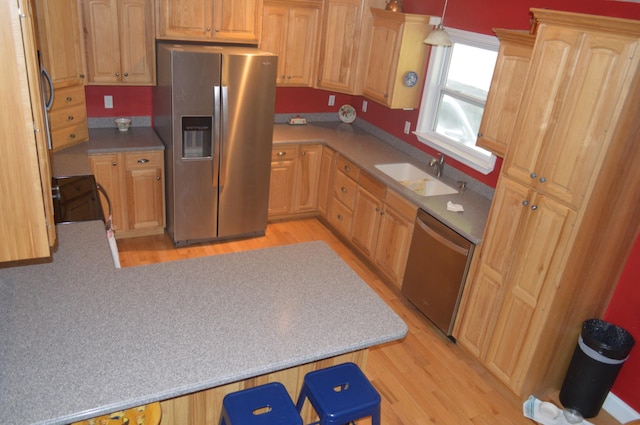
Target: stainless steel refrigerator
pixel 214 111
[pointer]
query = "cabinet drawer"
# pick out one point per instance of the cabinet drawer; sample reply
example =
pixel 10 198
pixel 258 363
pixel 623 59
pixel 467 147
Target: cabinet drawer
pixel 283 153
pixel 144 159
pixel 69 135
pixel 68 96
pixel 347 167
pixel 401 205
pixel 67 116
pixel 340 217
pixel 372 185
pixel 344 189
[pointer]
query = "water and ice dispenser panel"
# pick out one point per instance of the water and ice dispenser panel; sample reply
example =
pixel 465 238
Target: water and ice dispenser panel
pixel 197 137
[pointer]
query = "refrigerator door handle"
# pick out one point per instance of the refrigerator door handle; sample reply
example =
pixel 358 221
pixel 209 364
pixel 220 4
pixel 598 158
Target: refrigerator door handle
pixel 48 102
pixel 222 126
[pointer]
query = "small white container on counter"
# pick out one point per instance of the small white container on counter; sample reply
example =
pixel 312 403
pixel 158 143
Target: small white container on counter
pixel 123 124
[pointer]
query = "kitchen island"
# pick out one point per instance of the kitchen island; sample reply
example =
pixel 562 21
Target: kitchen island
pixel 80 338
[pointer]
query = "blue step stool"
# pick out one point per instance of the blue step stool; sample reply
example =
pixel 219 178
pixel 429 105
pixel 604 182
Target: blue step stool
pixel 340 394
pixel 267 404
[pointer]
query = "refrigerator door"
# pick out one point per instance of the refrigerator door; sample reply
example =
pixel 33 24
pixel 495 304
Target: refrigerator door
pixel 247 109
pixel 193 156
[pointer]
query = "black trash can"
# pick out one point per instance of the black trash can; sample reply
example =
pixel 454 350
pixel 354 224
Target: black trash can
pixel 600 353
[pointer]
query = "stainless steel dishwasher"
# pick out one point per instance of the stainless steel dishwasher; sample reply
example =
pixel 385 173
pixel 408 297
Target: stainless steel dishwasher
pixel 436 270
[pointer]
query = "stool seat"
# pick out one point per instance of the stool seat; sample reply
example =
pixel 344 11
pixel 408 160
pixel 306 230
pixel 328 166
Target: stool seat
pixel 267 404
pixel 340 394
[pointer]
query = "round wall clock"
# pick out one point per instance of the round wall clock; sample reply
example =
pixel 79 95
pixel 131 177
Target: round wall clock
pixel 410 79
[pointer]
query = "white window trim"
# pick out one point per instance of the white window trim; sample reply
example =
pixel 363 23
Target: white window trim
pixel 473 157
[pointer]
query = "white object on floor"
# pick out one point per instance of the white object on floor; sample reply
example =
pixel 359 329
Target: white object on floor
pixel 454 207
pixel 546 413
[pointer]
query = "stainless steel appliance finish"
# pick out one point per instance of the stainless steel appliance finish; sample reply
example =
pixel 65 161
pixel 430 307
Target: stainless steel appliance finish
pixel 436 270
pixel 214 111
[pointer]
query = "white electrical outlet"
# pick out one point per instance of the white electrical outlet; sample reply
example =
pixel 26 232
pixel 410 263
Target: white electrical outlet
pixel 364 106
pixel 108 102
pixel 332 99
pixel 407 127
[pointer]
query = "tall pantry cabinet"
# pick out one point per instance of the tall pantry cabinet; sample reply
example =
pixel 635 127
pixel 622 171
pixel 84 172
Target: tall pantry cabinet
pixel 566 210
pixel 27 228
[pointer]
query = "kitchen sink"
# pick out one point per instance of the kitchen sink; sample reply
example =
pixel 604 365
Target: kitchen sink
pixel 415 179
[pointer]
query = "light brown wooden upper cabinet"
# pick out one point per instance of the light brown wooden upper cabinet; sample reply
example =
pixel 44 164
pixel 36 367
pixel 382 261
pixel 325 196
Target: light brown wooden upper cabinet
pixel 566 209
pixel 27 227
pixel 60 41
pixel 229 21
pixel 397 59
pixel 290 30
pixel 346 34
pixel 119 41
pixel 507 86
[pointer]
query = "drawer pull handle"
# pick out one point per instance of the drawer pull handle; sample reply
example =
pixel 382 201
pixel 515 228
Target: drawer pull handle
pixel 281 153
pixel 143 161
pixel 344 189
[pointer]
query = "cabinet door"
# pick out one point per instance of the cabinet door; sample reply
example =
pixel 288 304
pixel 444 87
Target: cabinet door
pixel 282 180
pixel 341 33
pixel 26 227
pixel 531 285
pixel 137 58
pixel 275 24
pixel 60 41
pixel 495 256
pixel 237 20
pixel 185 19
pixel 383 59
pixel 100 20
pixel 367 214
pixel 325 185
pixel 108 173
pixel 505 93
pixel 307 177
pixel 302 34
pixel 145 193
pixel 562 135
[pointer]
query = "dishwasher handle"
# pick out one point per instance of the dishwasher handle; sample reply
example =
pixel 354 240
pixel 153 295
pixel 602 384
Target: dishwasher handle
pixel 441 239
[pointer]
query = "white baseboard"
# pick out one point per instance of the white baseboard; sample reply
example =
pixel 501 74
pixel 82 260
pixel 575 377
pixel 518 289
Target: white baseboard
pixel 617 408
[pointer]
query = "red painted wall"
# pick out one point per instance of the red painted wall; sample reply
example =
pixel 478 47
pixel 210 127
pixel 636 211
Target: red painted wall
pixel 470 15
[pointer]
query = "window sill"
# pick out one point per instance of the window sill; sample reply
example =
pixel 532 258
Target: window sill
pixel 475 158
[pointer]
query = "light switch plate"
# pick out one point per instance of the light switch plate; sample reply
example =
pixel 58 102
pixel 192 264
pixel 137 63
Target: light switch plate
pixel 332 100
pixel 407 127
pixel 108 102
pixel 364 106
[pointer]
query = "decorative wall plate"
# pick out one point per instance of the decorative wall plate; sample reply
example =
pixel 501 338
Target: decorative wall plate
pixel 410 79
pixel 347 113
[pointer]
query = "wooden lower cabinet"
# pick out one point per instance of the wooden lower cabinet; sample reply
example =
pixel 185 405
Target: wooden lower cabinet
pixel 134 182
pixel 295 175
pixel 204 407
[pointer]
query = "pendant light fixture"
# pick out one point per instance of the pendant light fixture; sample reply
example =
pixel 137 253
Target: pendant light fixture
pixel 439 36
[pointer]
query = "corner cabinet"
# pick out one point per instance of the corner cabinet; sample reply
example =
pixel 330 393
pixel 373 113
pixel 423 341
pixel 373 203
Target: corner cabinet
pixel 346 34
pixel 397 59
pixel 227 21
pixel 134 182
pixel 505 93
pixel 566 211
pixel 295 174
pixel 27 227
pixel 290 29
pixel 119 41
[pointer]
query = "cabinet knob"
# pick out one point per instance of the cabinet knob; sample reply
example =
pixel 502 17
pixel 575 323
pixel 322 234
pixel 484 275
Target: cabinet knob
pixel 158 178
pixel 303 153
pixel 126 74
pixel 533 175
pixel 347 168
pixel 480 134
pixel 340 217
pixel 543 179
pixel 117 74
pixel 81 75
pixel 114 163
pixel 143 161
pixel 344 189
pixel 217 29
pixel 525 203
pixel 534 207
pixel 281 153
pixel 69 99
pixel 70 118
pixel 72 135
pixel 377 209
pixel 208 29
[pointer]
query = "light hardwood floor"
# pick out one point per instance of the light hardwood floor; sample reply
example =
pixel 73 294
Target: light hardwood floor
pixel 423 379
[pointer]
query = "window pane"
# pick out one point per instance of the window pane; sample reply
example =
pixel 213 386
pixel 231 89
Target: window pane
pixel 470 70
pixel 458 120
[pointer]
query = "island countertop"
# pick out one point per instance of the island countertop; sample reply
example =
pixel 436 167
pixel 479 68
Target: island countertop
pixel 80 338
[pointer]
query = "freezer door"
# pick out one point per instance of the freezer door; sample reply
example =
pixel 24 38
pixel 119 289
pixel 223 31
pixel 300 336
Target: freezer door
pixel 247 110
pixel 193 178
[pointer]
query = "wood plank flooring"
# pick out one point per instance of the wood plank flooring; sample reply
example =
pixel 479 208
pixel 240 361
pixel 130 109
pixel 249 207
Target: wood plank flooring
pixel 423 379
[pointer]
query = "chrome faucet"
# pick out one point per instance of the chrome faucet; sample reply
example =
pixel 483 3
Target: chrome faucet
pixel 439 164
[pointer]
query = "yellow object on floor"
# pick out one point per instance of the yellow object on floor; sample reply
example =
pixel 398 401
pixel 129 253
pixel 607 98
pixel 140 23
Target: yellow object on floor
pixel 149 414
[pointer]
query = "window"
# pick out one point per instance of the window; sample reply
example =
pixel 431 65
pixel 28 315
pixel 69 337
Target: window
pixel 455 92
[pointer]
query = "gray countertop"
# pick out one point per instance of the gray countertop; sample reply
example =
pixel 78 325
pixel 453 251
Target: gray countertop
pixel 366 151
pixel 79 338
